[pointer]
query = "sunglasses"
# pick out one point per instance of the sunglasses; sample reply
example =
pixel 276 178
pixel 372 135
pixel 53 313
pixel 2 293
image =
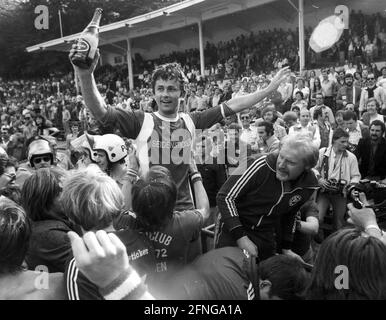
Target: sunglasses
pixel 370 78
pixel 244 118
pixel 44 159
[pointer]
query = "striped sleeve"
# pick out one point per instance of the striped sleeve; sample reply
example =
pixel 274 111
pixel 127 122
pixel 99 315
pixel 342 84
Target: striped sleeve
pixel 237 186
pixel 78 287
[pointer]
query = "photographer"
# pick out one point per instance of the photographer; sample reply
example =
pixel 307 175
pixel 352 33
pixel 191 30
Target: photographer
pixel 337 167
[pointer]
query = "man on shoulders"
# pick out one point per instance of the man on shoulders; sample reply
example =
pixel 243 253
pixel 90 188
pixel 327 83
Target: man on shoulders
pixel 167 133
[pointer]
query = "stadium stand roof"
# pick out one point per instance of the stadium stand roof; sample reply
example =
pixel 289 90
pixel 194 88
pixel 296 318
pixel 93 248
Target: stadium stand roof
pixel 173 17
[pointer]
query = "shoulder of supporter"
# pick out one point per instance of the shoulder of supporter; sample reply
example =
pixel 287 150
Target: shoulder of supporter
pixel 190 221
pixel 128 122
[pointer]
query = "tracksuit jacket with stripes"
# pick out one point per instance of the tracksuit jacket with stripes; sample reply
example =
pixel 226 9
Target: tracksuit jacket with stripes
pixel 251 201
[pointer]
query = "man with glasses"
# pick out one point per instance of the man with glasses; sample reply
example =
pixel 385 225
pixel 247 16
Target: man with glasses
pixel 249 133
pixel 372 91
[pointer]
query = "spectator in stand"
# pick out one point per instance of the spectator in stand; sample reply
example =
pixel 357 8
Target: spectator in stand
pixel 328 114
pixel 356 129
pixel 372 91
pixel 290 119
pixel 270 114
pixel 371 114
pixel 358 79
pixel 339 119
pixel 348 93
pixel 316 88
pixel 371 153
pixel 328 89
pixel 268 141
pixel 381 79
pixel 300 87
pixel 306 127
pixel 66 117
pixel 325 128
pixel 299 102
pixel 249 133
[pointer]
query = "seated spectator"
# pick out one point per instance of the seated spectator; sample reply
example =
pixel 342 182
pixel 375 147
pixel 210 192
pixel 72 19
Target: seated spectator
pixel 365 260
pixel 371 153
pixel 16 283
pixel 371 114
pixel 93 201
pixel 170 232
pixel 355 129
pixel 49 244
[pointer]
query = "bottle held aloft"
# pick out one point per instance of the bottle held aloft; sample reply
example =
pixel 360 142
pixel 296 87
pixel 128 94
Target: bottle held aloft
pixel 87 43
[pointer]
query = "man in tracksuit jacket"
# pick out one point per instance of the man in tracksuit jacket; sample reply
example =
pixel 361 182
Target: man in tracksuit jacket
pixel 274 186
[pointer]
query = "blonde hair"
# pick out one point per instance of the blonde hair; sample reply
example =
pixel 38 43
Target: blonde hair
pixel 91 199
pixel 305 147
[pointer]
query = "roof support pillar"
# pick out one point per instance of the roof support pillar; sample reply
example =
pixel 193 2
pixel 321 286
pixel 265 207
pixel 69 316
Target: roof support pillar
pixel 201 45
pixel 130 74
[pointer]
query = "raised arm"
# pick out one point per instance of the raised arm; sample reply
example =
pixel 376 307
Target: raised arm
pixel 240 103
pixel 200 196
pixel 92 98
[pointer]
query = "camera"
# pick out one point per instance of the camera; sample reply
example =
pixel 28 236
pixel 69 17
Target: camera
pixel 335 186
pixel 374 191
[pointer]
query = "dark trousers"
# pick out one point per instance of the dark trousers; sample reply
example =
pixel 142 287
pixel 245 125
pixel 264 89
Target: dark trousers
pixel 264 240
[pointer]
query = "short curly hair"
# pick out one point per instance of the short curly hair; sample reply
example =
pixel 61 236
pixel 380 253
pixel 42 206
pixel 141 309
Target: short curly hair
pixel 169 71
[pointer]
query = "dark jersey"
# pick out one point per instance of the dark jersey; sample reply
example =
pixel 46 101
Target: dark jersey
pixel 141 257
pixel 169 144
pixel 220 274
pixel 171 244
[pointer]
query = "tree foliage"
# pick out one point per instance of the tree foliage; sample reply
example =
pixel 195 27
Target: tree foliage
pixel 18 31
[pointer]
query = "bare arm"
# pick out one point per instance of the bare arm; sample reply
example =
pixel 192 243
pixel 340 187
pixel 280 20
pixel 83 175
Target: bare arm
pixel 92 98
pixel 202 201
pixel 310 226
pixel 240 103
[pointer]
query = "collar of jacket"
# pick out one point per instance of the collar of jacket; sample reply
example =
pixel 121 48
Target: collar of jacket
pixel 306 180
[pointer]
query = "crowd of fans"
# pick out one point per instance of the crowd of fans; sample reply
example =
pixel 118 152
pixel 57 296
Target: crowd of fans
pixel 87 198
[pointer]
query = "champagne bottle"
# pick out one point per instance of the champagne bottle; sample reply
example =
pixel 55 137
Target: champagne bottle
pixel 87 43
